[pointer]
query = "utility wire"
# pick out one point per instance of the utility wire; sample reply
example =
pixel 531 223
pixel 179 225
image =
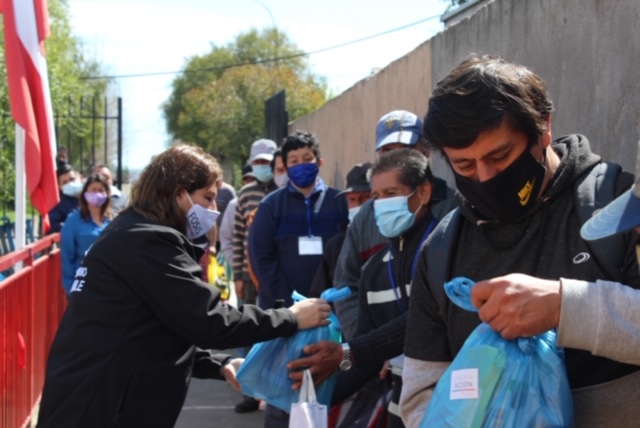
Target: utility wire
pixel 263 61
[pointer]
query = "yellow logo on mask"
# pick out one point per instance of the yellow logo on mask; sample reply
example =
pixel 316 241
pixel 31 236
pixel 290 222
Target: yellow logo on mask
pixel 525 192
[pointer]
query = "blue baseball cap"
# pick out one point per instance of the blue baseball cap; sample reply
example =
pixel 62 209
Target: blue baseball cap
pixel 398 126
pixel 620 215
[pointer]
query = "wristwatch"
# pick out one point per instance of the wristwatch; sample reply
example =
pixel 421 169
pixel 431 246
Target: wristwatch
pixel 346 363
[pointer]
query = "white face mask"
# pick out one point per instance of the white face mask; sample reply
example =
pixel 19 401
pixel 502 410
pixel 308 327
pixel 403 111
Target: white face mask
pixel 352 212
pixel 72 188
pixel 200 220
pixel 281 180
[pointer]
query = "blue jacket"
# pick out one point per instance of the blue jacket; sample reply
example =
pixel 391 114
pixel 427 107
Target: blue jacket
pixel 281 219
pixel 76 237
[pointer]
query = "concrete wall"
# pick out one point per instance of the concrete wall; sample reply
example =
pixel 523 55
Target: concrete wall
pixel 586 50
pixel 345 126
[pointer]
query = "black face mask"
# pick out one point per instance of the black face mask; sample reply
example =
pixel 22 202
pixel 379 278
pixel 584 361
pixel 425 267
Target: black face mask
pixel 510 194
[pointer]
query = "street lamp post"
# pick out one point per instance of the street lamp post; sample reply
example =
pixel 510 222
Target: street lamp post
pixel 273 21
pixel 277 41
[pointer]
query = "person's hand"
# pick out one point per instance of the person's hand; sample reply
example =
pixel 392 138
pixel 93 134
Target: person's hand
pixel 239 288
pixel 322 361
pixel 518 305
pixel 311 313
pixel 230 370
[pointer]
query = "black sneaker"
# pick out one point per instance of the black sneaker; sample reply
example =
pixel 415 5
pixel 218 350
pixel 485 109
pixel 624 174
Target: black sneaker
pixel 249 404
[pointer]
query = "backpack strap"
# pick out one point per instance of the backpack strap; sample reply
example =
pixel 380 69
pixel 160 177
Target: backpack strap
pixel 440 255
pixel 593 191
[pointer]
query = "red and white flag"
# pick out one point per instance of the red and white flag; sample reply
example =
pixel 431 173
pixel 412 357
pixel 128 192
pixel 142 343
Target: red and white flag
pixel 26 26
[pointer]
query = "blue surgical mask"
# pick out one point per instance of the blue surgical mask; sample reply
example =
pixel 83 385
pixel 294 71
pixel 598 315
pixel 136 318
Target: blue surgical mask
pixel 303 174
pixel 393 215
pixel 72 188
pixel 263 173
pixel 352 213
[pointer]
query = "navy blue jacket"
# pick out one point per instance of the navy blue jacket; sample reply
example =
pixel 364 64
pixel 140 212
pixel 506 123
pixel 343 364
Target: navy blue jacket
pixel 281 219
pixel 59 213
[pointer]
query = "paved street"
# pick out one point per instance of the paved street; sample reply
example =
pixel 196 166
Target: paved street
pixel 210 404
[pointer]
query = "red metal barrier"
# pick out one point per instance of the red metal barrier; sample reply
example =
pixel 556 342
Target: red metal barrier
pixel 31 305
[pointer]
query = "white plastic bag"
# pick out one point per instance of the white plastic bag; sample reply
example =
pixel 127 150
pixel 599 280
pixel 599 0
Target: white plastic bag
pixel 307 412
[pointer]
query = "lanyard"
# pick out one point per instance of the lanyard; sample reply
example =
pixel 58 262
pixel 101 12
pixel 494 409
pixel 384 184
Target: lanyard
pixel 413 265
pixel 316 209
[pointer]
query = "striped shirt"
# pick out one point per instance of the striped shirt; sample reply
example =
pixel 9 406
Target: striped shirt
pixel 249 198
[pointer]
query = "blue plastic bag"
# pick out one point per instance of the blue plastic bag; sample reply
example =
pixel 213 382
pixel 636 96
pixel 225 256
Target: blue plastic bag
pixel 494 382
pixel 264 373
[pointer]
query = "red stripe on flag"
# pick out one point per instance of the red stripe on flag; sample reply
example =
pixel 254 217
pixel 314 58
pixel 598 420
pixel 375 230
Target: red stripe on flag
pixel 42 21
pixel 30 107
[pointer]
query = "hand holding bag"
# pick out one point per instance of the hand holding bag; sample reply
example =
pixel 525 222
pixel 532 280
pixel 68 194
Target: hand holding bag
pixel 494 382
pixel 264 373
pixel 307 412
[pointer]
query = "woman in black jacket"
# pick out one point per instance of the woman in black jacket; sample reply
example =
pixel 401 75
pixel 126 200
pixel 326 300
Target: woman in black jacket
pixel 128 343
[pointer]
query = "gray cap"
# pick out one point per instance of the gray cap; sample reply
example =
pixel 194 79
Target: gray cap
pixel 262 149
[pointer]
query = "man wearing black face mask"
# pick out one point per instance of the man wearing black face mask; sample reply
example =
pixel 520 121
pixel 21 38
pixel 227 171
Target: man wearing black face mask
pixel 518 214
pixel 599 316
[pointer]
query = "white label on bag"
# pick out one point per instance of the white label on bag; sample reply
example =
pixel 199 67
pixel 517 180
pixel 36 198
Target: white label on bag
pixel 464 384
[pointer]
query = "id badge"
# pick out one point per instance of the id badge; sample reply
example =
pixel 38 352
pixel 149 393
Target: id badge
pixel 310 245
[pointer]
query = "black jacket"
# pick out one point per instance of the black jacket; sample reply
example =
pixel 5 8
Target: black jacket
pixel 124 352
pixel 323 279
pixel 546 243
pixel 382 318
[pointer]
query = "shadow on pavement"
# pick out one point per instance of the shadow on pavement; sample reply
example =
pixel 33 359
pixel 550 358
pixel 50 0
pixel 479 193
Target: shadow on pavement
pixel 210 404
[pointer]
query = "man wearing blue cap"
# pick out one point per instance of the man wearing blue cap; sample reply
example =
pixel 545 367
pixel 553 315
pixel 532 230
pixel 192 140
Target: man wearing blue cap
pixel 396 129
pixel 601 316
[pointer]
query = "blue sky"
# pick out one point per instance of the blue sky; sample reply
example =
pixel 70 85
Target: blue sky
pixel 148 36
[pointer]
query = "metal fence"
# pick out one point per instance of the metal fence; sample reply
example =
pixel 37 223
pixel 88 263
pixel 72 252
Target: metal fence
pixel 31 305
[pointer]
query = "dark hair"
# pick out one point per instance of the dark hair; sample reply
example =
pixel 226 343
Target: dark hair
pixel 105 210
pixel 276 154
pixel 154 194
pixel 63 168
pixel 95 168
pixel 299 140
pixel 478 94
pixel 412 166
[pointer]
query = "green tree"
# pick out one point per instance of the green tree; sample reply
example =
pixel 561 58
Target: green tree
pixel 68 68
pixel 72 93
pixel 218 101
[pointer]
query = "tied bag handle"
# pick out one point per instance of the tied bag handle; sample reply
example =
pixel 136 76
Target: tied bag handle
pixel 330 295
pixel 459 291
